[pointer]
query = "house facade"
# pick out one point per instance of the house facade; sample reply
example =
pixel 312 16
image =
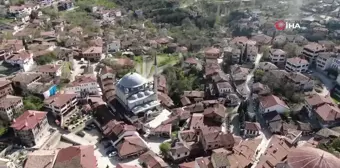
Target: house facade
pixel 277 56
pixel 10 105
pixel 5 88
pixel 272 103
pixel 312 50
pixel 30 127
pixel 296 64
pixel 86 84
pixel 93 53
pixel 24 59
pixel 61 104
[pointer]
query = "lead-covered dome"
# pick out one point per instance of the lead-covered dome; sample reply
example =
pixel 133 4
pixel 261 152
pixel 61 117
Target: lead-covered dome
pixel 306 157
pixel 132 80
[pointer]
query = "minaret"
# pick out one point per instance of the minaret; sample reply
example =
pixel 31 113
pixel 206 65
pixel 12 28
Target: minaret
pixel 155 77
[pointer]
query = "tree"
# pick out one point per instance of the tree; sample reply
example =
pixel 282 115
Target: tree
pixel 32 102
pixel 164 148
pixel 291 49
pixel 265 51
pixel 46 59
pixel 258 74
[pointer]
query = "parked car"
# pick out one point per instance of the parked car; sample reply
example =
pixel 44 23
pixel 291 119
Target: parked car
pixel 110 151
pixel 113 154
pixel 81 134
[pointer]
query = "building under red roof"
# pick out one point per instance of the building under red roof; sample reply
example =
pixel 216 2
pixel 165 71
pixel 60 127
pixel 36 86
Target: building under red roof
pixel 76 157
pixel 311 157
pixel 28 120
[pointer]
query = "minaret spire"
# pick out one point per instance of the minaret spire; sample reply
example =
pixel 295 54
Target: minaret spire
pixel 155 76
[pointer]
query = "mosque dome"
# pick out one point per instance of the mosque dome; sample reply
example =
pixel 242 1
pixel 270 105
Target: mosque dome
pixel 311 157
pixel 132 80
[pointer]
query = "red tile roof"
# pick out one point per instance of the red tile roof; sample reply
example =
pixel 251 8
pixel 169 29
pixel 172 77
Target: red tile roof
pixel 131 145
pixel 217 110
pixel 48 68
pixel 328 112
pixel 59 100
pixel 41 159
pixel 115 128
pixel 28 120
pixel 317 99
pixel 120 165
pixel 82 80
pixel 272 100
pixel 297 60
pixel 191 60
pixel 253 126
pixel 152 160
pixel 76 157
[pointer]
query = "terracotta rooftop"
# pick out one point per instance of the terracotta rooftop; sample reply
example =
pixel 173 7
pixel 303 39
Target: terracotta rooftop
pixel 188 135
pixel 9 101
pixel 275 153
pixel 41 159
pixel 193 108
pixel 26 77
pixel 253 126
pixel 239 39
pixel 298 77
pixel 314 47
pixel 297 60
pixel 48 68
pixel 217 110
pixel 76 157
pixel 192 94
pixel 212 50
pixel 4 82
pixel 151 160
pixel 244 152
pixel 93 50
pixel 311 157
pixel 196 121
pixel 115 128
pixel 60 100
pixel 131 145
pixel 191 60
pixel 163 128
pixel 328 112
pixel 272 100
pixel 200 162
pixel 262 39
pixel 28 120
pixel 120 165
pixel 317 99
pixel 82 80
pixel 23 55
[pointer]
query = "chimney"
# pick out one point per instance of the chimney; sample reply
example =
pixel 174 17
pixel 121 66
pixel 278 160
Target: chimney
pixel 14 120
pixel 26 124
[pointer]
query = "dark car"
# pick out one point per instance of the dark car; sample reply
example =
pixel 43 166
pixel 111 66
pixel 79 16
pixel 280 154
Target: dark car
pixel 81 134
pixel 107 145
pixel 110 151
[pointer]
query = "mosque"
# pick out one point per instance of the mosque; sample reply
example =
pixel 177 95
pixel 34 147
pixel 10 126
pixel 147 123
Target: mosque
pixel 138 96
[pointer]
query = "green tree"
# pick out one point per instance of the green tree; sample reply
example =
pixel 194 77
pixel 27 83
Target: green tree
pixel 46 59
pixel 291 49
pixel 265 51
pixel 164 148
pixel 258 74
pixel 32 102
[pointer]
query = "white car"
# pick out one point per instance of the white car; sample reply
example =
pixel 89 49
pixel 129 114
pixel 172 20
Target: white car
pixel 113 154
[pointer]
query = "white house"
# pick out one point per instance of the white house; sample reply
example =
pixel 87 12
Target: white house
pixel 85 83
pixel 325 60
pixel 24 59
pixel 312 50
pixel 296 64
pixel 277 56
pixel 60 104
pixel 49 69
pixel 21 10
pixel 272 103
pixel 113 46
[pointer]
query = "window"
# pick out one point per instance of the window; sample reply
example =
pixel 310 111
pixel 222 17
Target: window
pixel 186 153
pixel 178 155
